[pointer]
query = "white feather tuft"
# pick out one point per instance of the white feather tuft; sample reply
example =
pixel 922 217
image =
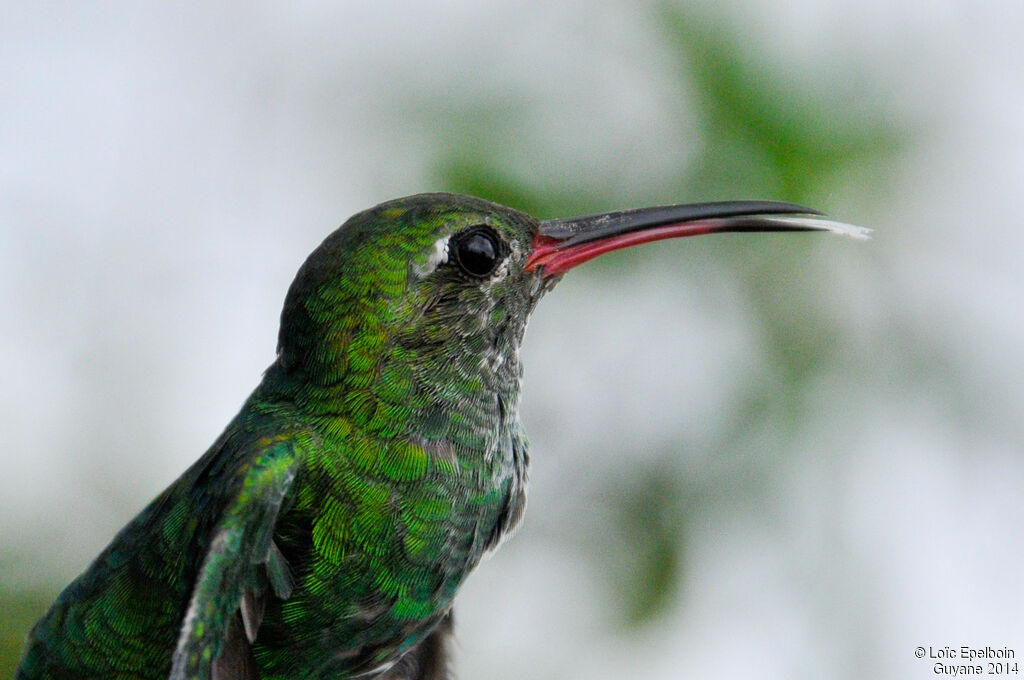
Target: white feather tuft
pixel 438 256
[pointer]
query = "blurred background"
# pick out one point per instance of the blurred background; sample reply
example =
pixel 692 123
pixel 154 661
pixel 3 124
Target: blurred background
pixel 787 456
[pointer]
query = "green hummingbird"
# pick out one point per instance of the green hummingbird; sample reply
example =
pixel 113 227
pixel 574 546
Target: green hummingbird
pixel 327 530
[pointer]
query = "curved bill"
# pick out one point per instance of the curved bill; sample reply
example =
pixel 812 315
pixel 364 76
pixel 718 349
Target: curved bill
pixel 562 244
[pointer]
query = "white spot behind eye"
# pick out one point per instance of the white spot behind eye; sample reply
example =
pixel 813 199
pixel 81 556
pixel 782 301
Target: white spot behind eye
pixel 438 256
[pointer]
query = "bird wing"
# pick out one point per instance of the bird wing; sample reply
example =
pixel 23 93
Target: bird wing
pixel 226 604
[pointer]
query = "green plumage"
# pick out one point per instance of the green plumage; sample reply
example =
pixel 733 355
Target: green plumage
pixel 338 514
pixel 325 534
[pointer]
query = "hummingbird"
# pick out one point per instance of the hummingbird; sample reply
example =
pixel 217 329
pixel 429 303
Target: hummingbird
pixel 326 532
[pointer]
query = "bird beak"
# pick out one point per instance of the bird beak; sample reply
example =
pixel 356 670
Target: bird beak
pixel 562 244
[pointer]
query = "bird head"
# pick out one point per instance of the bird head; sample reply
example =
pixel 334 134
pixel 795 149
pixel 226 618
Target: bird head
pixel 444 284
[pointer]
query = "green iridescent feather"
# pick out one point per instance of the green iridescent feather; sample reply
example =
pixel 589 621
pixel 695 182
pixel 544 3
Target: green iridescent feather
pixel 326 533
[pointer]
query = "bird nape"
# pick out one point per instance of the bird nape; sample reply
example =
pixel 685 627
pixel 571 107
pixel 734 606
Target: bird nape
pixel 327 530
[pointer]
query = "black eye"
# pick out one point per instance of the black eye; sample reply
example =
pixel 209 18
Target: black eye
pixel 477 251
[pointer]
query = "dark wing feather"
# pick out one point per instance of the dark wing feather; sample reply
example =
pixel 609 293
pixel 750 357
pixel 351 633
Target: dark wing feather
pixel 236 661
pixel 226 605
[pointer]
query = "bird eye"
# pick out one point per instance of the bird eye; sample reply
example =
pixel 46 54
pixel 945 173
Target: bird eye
pixel 477 251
